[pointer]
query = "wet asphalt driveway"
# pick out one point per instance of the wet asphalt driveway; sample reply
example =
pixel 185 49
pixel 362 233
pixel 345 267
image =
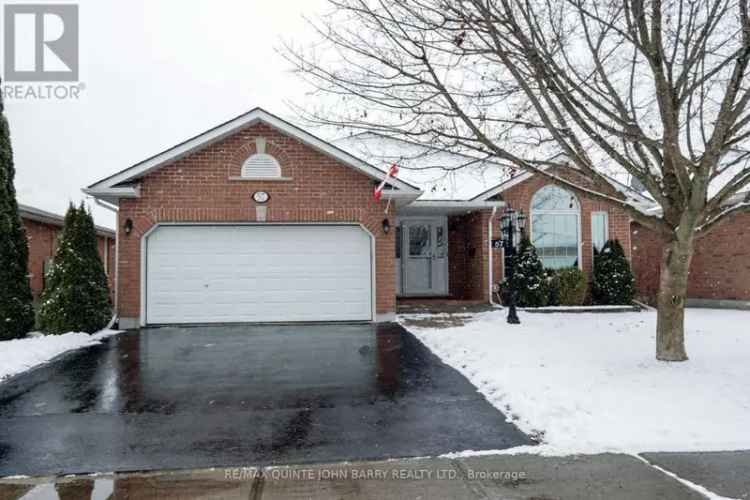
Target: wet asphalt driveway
pixel 170 398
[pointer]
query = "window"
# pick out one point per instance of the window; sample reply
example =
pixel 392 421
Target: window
pixel 420 242
pixel 261 165
pixel 599 229
pixel 440 242
pixel 555 232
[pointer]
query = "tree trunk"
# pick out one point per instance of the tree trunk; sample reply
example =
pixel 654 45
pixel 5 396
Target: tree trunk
pixel 670 323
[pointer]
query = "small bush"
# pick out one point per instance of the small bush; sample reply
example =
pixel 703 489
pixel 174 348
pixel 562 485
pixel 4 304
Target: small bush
pixel 553 287
pixel 572 286
pixel 613 281
pixel 76 297
pixel 529 279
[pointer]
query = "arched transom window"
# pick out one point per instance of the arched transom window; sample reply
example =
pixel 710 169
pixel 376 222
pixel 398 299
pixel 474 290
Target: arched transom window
pixel 555 231
pixel 261 165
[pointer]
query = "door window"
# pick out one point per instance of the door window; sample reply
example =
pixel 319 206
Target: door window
pixel 419 240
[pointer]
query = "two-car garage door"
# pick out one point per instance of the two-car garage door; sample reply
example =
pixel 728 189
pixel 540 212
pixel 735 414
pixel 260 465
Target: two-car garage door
pixel 257 273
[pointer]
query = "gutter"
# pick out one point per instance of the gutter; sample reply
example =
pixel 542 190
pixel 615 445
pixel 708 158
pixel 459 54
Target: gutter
pixel 133 191
pixel 489 243
pixel 461 204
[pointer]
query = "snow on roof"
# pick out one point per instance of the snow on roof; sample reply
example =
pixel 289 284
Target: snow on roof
pixel 640 200
pixel 442 175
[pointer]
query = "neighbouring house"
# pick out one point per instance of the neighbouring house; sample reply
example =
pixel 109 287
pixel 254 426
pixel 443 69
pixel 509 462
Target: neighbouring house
pixel 43 230
pixel 720 269
pixel 257 220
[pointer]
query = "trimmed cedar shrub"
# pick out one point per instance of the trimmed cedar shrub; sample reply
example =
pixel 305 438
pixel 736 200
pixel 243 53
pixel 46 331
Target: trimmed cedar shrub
pixel 613 281
pixel 572 286
pixel 16 300
pixel 529 278
pixel 76 297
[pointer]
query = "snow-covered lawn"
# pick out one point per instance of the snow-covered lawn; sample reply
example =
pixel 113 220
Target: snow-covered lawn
pixel 22 354
pixel 589 382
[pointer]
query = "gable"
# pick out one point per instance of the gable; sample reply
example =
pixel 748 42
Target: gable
pixel 218 174
pixel 124 183
pixel 524 180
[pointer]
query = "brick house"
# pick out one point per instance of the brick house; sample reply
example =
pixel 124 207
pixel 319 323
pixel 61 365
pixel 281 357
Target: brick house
pixel 719 272
pixel 43 230
pixel 259 220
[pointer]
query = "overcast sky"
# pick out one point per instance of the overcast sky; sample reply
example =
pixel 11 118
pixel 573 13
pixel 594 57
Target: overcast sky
pixel 156 72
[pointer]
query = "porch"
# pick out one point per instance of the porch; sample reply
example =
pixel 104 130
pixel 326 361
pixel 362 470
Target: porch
pixel 445 255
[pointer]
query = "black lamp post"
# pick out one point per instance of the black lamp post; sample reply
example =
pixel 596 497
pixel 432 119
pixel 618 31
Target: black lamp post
pixel 512 226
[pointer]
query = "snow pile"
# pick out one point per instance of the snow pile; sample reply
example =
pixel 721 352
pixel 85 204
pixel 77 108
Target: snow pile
pixel 21 354
pixel 589 383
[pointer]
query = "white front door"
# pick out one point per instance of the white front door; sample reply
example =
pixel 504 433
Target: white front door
pixel 257 273
pixel 424 256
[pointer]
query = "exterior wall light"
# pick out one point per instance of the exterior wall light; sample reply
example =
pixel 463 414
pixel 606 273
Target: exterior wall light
pixel 521 221
pixel 128 226
pixel 386 226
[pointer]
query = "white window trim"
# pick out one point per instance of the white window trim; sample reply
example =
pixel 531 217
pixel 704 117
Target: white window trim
pixel 571 211
pixel 606 226
pixel 272 179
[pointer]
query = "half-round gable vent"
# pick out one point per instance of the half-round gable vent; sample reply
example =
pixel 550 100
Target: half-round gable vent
pixel 261 165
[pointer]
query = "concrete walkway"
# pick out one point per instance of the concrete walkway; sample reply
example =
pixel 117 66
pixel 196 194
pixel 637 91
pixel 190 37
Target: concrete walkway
pixel 512 477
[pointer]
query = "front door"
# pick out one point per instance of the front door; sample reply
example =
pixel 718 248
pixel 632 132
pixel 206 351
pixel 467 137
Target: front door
pixel 425 251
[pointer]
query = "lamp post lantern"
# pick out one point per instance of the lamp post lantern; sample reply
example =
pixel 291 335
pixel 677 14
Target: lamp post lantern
pixel 512 227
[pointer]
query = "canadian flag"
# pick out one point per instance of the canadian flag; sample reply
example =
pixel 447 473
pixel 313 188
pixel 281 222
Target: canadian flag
pixel 391 173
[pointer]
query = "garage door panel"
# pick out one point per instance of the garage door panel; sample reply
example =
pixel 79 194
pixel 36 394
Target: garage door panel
pixel 197 274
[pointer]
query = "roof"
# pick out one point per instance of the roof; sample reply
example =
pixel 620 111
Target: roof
pixel 39 215
pixel 639 199
pixel 635 198
pixel 124 183
pixel 440 174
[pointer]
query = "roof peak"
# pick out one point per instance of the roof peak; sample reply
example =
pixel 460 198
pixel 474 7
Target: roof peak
pixel 111 187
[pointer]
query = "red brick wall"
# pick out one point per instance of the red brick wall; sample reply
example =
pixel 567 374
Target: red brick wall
pixel 43 243
pixel 520 195
pixel 477 268
pixel 720 268
pixel 468 255
pixel 457 256
pixel 198 188
pixel 646 250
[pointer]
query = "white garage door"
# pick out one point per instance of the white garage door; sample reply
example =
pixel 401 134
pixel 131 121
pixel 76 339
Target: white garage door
pixel 216 274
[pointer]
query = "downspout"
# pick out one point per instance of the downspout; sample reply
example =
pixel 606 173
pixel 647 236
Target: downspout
pixel 489 243
pixel 117 248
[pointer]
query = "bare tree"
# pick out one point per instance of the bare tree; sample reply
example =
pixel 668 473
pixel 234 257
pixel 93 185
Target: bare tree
pixel 657 89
